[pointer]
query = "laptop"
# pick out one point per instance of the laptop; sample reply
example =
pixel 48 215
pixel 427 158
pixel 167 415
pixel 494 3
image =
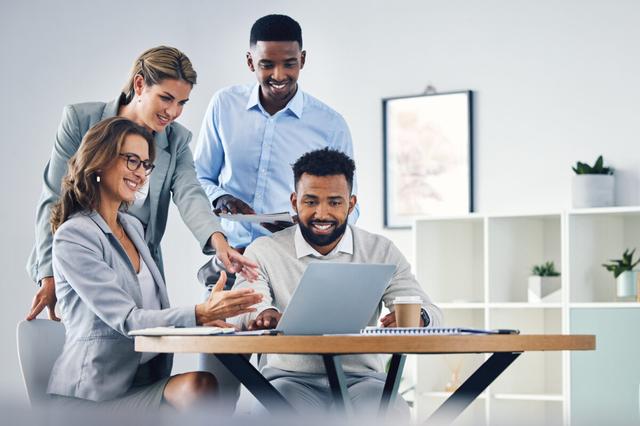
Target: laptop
pixel 335 298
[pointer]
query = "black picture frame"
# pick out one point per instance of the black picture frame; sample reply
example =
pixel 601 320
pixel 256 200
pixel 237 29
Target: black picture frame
pixel 427 156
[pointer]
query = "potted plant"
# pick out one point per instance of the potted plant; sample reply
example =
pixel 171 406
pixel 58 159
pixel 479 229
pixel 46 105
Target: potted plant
pixel 626 277
pixel 544 283
pixel 592 186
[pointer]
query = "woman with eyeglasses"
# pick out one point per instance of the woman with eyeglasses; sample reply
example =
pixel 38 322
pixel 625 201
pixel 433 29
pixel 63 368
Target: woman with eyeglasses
pixel 108 284
pixel 158 88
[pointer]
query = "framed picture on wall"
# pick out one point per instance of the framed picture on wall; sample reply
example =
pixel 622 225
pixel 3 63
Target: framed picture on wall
pixel 428 165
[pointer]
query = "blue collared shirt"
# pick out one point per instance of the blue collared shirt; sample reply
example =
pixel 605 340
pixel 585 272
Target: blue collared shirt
pixel 245 152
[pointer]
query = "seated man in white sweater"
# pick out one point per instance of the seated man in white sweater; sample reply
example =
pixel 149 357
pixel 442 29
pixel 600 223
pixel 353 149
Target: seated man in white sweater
pixel 323 201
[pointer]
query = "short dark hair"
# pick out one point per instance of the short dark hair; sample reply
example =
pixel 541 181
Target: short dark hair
pixel 324 162
pixel 275 28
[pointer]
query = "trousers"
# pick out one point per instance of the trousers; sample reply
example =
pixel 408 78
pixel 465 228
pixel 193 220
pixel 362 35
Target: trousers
pixel 310 393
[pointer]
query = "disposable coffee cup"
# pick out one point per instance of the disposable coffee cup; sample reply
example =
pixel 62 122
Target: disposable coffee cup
pixel 407 309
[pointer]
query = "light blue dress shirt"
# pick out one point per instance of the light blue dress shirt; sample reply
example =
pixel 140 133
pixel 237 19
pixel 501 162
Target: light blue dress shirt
pixel 245 152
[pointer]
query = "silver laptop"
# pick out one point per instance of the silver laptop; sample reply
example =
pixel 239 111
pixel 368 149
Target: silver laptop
pixel 335 298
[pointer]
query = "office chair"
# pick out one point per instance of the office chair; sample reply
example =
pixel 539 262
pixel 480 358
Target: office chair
pixel 40 343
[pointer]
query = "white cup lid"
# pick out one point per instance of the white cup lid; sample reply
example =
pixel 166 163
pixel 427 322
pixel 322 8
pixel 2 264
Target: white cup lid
pixel 407 299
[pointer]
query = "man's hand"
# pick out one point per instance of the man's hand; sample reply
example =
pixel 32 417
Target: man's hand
pixel 223 304
pixel 266 319
pixel 389 320
pixel 233 261
pixel 45 297
pixel 230 204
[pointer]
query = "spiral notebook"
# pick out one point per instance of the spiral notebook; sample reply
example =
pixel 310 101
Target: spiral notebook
pixel 419 331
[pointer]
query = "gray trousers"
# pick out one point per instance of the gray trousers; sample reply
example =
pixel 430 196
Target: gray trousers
pixel 310 393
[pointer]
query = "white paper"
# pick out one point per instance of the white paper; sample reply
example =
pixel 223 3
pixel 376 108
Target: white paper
pixel 181 331
pixel 258 218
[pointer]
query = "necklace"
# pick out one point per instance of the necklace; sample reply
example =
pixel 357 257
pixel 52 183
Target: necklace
pixel 122 236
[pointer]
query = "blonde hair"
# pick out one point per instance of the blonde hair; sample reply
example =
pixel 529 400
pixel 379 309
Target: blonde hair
pixel 157 64
pixel 99 148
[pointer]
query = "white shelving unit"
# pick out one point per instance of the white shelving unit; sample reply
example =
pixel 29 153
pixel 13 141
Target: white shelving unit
pixel 475 267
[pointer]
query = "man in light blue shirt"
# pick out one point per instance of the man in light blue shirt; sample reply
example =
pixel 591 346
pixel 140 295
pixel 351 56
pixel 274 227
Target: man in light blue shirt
pixel 252 134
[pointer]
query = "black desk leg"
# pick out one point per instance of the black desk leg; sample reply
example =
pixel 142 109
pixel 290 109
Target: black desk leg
pixel 255 382
pixel 392 383
pixel 337 382
pixel 472 387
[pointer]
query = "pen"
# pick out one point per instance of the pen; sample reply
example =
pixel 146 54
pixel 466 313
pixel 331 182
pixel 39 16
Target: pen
pixel 505 331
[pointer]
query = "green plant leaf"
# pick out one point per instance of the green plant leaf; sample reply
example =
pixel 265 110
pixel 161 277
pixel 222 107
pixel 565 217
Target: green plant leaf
pixel 599 163
pixel 618 266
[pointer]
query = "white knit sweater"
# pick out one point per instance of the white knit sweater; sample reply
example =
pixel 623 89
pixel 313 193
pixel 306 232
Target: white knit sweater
pixel 279 274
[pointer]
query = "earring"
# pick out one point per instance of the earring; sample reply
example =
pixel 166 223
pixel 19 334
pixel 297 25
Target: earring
pixel 98 179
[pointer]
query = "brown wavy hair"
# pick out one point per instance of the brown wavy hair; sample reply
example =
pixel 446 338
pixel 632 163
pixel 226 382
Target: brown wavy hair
pixel 99 148
pixel 157 64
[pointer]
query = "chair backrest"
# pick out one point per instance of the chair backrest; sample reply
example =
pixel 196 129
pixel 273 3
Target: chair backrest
pixel 40 343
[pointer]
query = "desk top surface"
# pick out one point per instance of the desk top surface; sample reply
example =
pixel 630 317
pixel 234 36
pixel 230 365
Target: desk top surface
pixel 364 344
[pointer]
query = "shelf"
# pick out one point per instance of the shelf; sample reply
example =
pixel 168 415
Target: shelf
pixel 515 244
pixel 528 397
pixel 524 305
pixel 538 215
pixel 479 266
pixel 605 210
pixel 602 305
pixel 595 239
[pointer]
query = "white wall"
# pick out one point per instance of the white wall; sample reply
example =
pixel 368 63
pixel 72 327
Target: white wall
pixel 555 82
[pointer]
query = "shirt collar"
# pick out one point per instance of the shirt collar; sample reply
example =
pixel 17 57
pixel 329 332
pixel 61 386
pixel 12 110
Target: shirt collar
pixel 254 97
pixel 295 105
pixel 303 248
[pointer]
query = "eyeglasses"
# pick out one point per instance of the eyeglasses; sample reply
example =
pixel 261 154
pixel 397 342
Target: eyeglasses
pixel 134 162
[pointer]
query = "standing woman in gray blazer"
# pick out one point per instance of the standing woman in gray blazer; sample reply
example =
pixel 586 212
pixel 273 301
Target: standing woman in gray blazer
pixel 158 88
pixel 108 284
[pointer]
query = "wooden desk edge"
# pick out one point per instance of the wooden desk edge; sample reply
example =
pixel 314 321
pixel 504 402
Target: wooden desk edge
pixel 364 344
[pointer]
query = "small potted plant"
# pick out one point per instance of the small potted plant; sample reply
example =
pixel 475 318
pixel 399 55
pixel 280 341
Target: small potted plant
pixel 544 284
pixel 592 186
pixel 626 277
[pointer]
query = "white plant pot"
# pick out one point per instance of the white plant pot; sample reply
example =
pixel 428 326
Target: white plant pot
pixel 544 289
pixel 592 191
pixel 626 285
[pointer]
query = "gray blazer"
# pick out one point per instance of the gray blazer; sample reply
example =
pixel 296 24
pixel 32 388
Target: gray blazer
pixel 100 301
pixel 174 174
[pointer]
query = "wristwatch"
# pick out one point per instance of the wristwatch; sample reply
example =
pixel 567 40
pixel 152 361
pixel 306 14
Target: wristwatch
pixel 424 317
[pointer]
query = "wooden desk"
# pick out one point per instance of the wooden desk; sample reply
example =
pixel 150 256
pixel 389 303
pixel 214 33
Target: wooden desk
pixel 229 350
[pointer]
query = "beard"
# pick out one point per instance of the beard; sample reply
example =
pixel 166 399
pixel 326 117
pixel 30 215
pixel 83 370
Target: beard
pixel 322 240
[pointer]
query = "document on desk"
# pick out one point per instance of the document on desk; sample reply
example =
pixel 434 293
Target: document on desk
pixel 181 331
pixel 258 218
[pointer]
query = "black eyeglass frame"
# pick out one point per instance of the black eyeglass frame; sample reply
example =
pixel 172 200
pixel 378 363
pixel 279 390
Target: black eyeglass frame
pixel 134 162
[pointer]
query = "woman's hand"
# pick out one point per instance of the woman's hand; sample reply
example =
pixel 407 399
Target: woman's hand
pixel 44 298
pixel 224 304
pixel 233 261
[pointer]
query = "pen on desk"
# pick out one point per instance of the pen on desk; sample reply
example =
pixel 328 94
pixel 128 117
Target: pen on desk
pixel 505 331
